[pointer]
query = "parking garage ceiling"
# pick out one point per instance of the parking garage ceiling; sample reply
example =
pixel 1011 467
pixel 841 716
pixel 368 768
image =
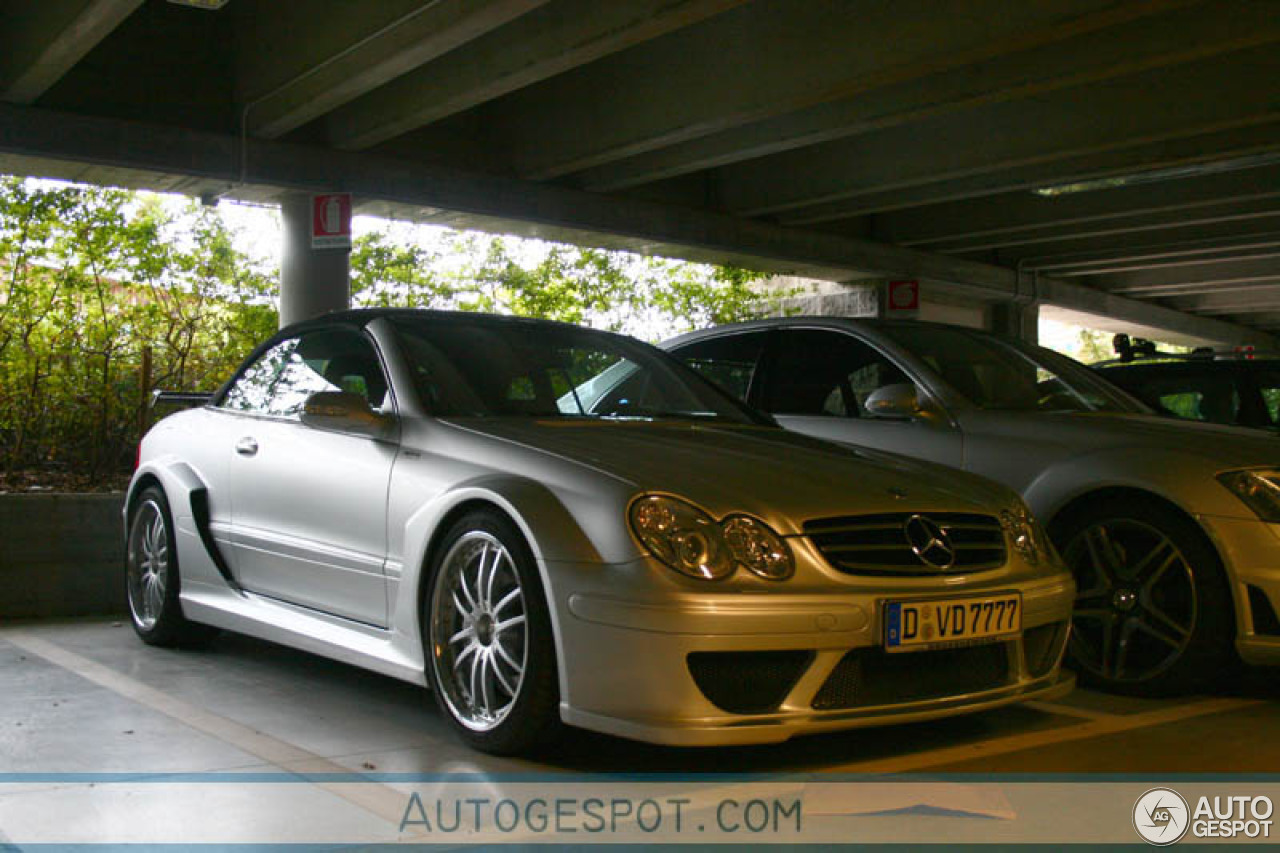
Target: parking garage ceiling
pixel 1121 158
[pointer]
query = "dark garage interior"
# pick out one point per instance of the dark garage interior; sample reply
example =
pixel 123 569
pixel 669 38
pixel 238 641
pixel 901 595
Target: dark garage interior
pixel 1113 164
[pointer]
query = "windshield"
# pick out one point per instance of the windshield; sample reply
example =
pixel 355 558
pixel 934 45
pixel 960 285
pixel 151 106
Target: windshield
pixel 996 374
pixel 486 366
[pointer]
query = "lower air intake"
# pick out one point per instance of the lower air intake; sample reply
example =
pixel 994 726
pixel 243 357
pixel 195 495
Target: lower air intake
pixel 747 682
pixel 868 677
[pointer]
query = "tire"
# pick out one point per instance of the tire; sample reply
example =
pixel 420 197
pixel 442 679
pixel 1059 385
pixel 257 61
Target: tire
pixel 490 655
pixel 152 582
pixel 1153 613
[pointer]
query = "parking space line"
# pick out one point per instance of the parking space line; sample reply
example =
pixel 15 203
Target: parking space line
pixel 377 799
pixel 1112 724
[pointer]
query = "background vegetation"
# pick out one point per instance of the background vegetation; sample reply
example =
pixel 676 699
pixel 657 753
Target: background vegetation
pixel 106 295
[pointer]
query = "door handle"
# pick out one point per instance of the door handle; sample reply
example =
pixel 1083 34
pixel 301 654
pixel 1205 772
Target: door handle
pixel 247 446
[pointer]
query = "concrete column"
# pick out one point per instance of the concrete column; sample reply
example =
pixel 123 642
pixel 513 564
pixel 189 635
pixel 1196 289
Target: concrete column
pixel 1016 320
pixel 312 281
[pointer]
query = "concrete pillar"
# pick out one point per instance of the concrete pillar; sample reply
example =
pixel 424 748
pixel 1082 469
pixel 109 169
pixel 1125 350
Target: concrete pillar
pixel 312 281
pixel 1016 320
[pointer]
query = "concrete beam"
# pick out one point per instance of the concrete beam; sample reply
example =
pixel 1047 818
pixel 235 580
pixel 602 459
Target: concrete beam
pixel 1090 49
pixel 549 211
pixel 1263 266
pixel 1146 314
pixel 1269 320
pixel 1252 284
pixel 1149 255
pixel 555 40
pixel 986 221
pixel 1250 140
pixel 42 41
pixel 1079 123
pixel 1264 297
pixel 1156 256
pixel 796 54
pixel 415 38
pixel 1223 221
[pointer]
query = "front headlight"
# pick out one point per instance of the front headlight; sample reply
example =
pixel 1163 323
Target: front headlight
pixel 1025 532
pixel 682 536
pixel 693 543
pixel 758 548
pixel 1258 489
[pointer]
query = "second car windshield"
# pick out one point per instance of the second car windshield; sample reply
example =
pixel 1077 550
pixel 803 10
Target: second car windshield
pixel 996 374
pixel 494 367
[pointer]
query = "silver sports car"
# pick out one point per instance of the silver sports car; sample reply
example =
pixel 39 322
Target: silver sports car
pixel 551 525
pixel 1172 528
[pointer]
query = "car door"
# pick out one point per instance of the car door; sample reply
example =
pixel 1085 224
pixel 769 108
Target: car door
pixel 816 381
pixel 308 505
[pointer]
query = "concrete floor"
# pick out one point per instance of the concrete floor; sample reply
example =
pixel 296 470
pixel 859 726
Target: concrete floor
pixel 89 698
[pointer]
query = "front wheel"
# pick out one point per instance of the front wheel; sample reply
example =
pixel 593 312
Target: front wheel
pixel 1152 612
pixel 151 576
pixel 490 655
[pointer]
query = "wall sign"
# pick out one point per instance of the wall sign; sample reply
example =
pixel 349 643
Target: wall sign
pixel 904 298
pixel 331 221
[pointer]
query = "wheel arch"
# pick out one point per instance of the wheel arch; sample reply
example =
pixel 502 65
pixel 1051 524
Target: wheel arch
pixel 1063 514
pixel 528 505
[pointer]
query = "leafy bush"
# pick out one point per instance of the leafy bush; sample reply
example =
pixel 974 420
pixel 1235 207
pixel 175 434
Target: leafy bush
pixel 106 295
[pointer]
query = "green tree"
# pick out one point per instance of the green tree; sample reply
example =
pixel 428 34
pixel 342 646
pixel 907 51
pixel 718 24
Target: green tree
pixel 107 294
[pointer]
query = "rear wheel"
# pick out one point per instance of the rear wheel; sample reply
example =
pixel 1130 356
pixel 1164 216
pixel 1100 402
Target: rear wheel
pixel 1152 611
pixel 491 659
pixel 151 576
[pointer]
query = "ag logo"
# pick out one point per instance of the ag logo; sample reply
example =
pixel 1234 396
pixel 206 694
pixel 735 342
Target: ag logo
pixel 1161 816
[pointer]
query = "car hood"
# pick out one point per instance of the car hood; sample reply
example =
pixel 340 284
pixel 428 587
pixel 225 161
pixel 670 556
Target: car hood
pixel 1218 444
pixel 779 476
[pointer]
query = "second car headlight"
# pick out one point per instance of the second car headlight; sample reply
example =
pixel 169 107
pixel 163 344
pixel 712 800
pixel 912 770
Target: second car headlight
pixel 693 543
pixel 1259 489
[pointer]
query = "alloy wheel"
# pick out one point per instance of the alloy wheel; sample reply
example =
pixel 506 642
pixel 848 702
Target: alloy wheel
pixel 148 564
pixel 1136 605
pixel 479 630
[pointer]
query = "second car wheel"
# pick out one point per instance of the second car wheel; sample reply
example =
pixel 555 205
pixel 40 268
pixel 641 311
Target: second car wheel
pixel 490 655
pixel 1153 613
pixel 152 583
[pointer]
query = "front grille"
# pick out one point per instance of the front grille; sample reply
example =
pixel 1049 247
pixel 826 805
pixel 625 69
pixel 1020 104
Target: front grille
pixel 869 677
pixel 748 682
pixel 878 544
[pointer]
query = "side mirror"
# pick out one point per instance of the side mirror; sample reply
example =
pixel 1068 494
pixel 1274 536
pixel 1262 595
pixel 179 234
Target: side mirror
pixel 898 402
pixel 342 411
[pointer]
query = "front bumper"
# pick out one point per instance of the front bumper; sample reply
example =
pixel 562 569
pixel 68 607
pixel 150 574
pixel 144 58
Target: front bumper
pixel 1250 550
pixel 627 663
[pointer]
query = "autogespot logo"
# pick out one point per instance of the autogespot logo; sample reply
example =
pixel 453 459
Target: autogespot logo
pixel 1161 817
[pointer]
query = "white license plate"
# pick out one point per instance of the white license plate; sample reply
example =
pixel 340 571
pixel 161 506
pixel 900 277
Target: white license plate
pixel 933 623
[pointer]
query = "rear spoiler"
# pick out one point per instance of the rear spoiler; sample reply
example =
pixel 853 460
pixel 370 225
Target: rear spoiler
pixel 180 398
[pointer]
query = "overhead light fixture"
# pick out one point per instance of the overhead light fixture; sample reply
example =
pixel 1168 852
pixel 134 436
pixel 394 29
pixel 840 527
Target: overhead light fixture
pixel 1155 175
pixel 207 5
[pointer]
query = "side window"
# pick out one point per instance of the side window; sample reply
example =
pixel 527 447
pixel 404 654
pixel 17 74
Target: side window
pixel 729 361
pixel 282 379
pixel 252 390
pixel 1268 383
pixel 1196 395
pixel 819 372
